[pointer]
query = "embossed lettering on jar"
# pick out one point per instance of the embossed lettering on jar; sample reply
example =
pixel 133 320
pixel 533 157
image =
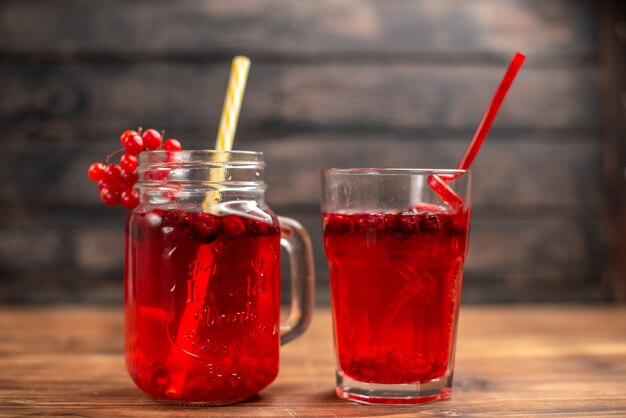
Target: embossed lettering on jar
pixel 202 278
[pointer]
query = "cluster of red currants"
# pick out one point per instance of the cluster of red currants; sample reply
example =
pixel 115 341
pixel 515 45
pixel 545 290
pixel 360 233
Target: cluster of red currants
pixel 116 182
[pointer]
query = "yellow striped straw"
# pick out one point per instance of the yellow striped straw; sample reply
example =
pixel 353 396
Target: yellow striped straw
pixel 232 103
pixel 228 124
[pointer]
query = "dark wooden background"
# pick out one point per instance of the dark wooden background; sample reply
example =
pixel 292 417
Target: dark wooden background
pixel 333 83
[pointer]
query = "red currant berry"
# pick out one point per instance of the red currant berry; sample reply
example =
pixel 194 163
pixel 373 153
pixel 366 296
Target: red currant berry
pixel 151 139
pixel 257 227
pixel 129 198
pixel 170 195
pixel 338 224
pixel 129 162
pixel 429 224
pixel 391 222
pixel 453 228
pixel 126 134
pixel 133 144
pixel 176 217
pixel 372 223
pixel 408 223
pixel 96 171
pixel 232 226
pixel 205 226
pixel 173 157
pixel 172 145
pixel 110 196
pixel 113 174
pixel 102 184
pixel 157 174
pixel 129 178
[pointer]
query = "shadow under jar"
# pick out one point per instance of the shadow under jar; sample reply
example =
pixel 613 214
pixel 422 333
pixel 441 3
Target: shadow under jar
pixel 202 278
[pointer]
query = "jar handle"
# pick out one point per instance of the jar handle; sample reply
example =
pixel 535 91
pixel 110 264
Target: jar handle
pixel 295 240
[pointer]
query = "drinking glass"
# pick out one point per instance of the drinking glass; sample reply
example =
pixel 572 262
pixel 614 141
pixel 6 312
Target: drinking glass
pixel 395 240
pixel 202 278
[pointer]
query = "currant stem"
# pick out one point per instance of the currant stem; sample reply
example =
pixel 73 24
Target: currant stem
pixel 113 154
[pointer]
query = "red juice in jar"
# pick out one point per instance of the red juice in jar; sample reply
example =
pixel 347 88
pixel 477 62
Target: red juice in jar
pixel 396 284
pixel 202 304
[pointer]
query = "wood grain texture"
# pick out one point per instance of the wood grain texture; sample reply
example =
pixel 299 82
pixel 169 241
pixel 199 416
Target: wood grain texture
pixel 333 83
pixel 530 361
pixel 555 28
pixel 613 54
pixel 398 95
pixel 541 175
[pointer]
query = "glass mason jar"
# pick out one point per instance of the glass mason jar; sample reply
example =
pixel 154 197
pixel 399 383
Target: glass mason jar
pixel 202 278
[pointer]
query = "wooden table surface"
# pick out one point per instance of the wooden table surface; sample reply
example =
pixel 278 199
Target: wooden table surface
pixel 522 360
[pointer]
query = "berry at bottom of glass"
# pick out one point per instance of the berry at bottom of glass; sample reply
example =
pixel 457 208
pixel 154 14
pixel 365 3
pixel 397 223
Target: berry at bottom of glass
pixel 396 283
pixel 202 304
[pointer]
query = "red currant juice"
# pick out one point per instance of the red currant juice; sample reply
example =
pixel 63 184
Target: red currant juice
pixel 202 304
pixel 396 284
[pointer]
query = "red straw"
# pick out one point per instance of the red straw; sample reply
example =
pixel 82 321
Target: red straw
pixel 492 111
pixel 444 191
pixel 437 183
